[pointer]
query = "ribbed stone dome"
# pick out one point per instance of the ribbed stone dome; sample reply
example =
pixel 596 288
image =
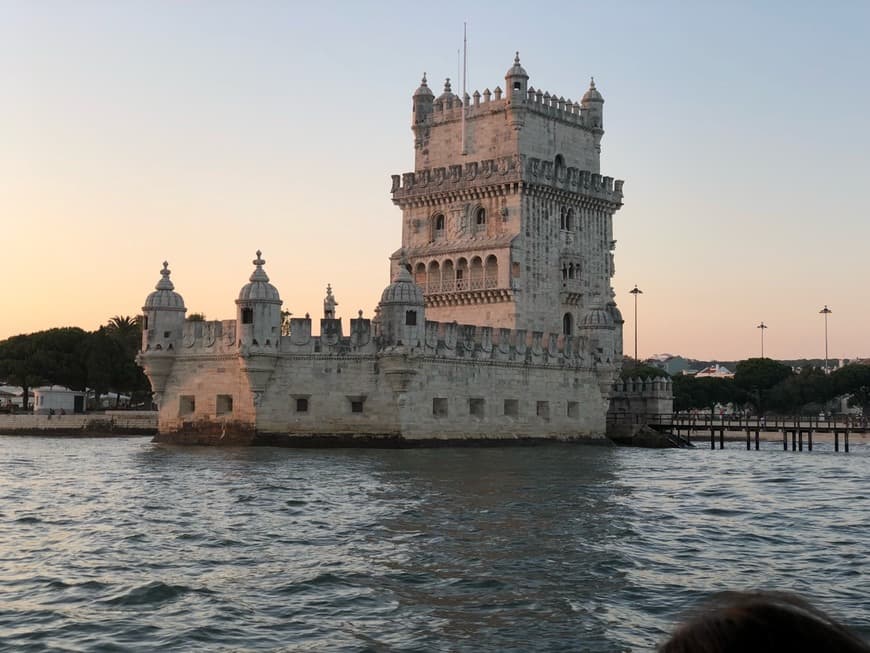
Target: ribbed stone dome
pixel 259 288
pixel 592 95
pixel 597 317
pixel 517 70
pixel 403 290
pixel 424 89
pixel 165 296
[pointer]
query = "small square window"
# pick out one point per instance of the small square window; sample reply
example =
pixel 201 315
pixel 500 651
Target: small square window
pixel 302 405
pixel 511 407
pixel 247 316
pixel 356 404
pixel 543 410
pixel 167 334
pixel 186 405
pixel 439 406
pixel 410 318
pixel 573 409
pixel 224 404
pixel 476 406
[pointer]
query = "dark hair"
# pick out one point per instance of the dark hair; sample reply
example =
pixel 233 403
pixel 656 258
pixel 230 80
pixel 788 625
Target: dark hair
pixel 747 622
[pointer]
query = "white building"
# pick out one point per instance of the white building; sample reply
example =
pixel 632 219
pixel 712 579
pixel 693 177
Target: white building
pixel 56 399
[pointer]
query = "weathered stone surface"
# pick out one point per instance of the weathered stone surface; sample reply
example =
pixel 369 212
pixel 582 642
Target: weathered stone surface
pixel 506 241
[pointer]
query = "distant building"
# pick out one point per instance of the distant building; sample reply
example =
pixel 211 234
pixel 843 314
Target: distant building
pixel 715 371
pixel 57 399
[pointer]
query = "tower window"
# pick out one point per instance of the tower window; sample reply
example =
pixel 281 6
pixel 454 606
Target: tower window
pixel 247 316
pixel 517 86
pixel 224 404
pixel 543 410
pixel 438 226
pixel 568 324
pixel 302 404
pixel 511 407
pixel 476 407
pixel 410 318
pixel 186 405
pixel 480 217
pixel 439 406
pixel 145 323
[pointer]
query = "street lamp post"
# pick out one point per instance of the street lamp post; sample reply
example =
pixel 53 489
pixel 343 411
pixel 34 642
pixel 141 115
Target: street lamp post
pixel 762 326
pixel 637 291
pixel 826 312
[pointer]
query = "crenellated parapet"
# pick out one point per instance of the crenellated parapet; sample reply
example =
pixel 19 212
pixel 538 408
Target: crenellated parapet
pixel 451 341
pixel 505 170
pixel 650 396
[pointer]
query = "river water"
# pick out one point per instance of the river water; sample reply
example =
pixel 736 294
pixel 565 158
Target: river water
pixel 120 544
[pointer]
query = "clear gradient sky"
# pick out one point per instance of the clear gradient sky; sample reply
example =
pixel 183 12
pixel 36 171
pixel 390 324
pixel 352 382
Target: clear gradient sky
pixel 198 132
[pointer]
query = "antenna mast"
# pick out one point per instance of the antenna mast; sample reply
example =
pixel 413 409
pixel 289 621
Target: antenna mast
pixel 464 76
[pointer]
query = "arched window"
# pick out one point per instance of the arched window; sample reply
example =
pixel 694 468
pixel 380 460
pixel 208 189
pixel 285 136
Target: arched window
pixel 462 274
pixel 420 274
pixel 480 218
pixel 559 162
pixel 476 273
pixel 437 226
pixel 490 272
pixel 568 324
pixel 448 277
pixel 247 316
pixel 433 283
pixel 569 220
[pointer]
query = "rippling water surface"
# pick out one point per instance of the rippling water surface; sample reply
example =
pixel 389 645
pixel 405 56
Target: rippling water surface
pixel 125 545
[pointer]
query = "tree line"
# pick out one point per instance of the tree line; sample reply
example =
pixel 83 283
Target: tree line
pixel 765 385
pixel 103 361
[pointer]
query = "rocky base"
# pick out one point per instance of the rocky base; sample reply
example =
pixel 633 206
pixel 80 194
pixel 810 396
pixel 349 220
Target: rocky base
pixel 642 435
pixel 248 437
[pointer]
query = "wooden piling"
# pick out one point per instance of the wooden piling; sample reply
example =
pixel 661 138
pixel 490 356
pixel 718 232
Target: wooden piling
pixel 757 437
pixel 784 440
pixel 810 440
pixel 748 439
pixel 721 437
pixel 846 440
pixel 836 440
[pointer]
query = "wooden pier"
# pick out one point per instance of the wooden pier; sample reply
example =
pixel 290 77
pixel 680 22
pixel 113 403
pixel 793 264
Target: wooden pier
pixel 694 428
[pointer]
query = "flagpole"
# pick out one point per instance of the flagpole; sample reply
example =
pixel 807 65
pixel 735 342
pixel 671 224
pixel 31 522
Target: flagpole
pixel 464 75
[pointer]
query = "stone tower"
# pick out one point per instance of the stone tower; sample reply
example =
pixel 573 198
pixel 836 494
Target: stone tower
pixel 506 219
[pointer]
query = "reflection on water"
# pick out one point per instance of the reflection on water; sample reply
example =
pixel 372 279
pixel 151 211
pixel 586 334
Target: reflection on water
pixel 121 543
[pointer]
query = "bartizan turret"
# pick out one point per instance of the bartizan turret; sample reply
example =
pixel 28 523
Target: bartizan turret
pixel 162 326
pixel 401 312
pixel 424 99
pixel 598 327
pixel 592 109
pixel 258 325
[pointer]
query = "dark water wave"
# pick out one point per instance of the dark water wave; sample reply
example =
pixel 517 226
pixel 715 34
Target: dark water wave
pixel 124 545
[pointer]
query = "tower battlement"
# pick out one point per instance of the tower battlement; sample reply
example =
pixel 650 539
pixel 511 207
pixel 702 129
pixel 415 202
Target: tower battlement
pixel 505 169
pixel 439 341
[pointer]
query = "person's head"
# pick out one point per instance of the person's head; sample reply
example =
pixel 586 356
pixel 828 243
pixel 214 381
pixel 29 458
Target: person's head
pixel 747 622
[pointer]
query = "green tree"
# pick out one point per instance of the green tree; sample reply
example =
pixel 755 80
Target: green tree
pixel 853 379
pixel 760 373
pixel 45 357
pixel 702 394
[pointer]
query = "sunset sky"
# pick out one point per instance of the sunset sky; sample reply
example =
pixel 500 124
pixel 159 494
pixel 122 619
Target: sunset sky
pixel 198 132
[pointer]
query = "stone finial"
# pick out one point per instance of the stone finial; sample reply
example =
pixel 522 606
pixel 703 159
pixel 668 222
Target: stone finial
pixel 329 304
pixel 447 86
pixel 165 283
pixel 259 274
